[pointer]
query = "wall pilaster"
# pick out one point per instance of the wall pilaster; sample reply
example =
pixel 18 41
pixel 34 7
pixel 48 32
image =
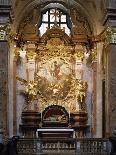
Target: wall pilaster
pixel 111 89
pixel 4 50
pixel 110 68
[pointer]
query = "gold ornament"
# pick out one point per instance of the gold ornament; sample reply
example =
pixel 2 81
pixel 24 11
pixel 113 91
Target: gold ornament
pixel 31 55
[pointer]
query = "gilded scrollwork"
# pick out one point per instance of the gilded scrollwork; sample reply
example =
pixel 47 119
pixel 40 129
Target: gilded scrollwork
pixel 80 25
pixel 51 50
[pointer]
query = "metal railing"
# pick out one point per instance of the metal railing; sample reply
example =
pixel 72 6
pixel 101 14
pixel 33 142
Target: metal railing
pixel 86 146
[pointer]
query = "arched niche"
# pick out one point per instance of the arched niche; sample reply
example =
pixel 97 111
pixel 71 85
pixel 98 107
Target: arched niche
pixel 55 116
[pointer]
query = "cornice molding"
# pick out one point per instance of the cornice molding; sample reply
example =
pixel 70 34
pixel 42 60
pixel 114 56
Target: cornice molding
pixel 110 17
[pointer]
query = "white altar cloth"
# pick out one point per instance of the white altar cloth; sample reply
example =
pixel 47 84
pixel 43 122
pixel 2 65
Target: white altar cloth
pixel 52 130
pixel 56 129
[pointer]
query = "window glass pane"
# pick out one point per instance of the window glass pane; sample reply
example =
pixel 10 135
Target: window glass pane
pixel 45 17
pixel 52 18
pixel 63 18
pixel 43 28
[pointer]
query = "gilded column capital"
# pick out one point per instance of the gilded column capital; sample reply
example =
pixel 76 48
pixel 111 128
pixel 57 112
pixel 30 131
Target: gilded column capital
pixel 110 34
pixel 31 55
pixel 3 32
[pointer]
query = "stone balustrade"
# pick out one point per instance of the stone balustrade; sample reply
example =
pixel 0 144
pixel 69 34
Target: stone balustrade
pixel 92 146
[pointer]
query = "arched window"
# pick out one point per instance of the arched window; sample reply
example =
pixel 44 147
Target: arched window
pixel 52 17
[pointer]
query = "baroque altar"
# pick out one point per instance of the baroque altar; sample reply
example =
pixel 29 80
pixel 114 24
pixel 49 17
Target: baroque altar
pixel 54 91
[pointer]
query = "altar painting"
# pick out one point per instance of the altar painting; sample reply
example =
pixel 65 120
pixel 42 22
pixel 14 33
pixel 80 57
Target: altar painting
pixel 54 79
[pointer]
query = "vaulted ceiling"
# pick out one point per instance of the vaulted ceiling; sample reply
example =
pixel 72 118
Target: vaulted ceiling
pixel 92 9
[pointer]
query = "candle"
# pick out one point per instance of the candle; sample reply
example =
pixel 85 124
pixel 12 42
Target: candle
pixel 69 114
pixel 41 115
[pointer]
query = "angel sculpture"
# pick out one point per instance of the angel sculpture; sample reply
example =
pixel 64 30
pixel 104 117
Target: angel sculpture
pixel 31 90
pixel 81 90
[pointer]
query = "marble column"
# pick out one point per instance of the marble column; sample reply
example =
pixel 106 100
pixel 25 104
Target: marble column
pixel 10 87
pixel 21 72
pixel 99 92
